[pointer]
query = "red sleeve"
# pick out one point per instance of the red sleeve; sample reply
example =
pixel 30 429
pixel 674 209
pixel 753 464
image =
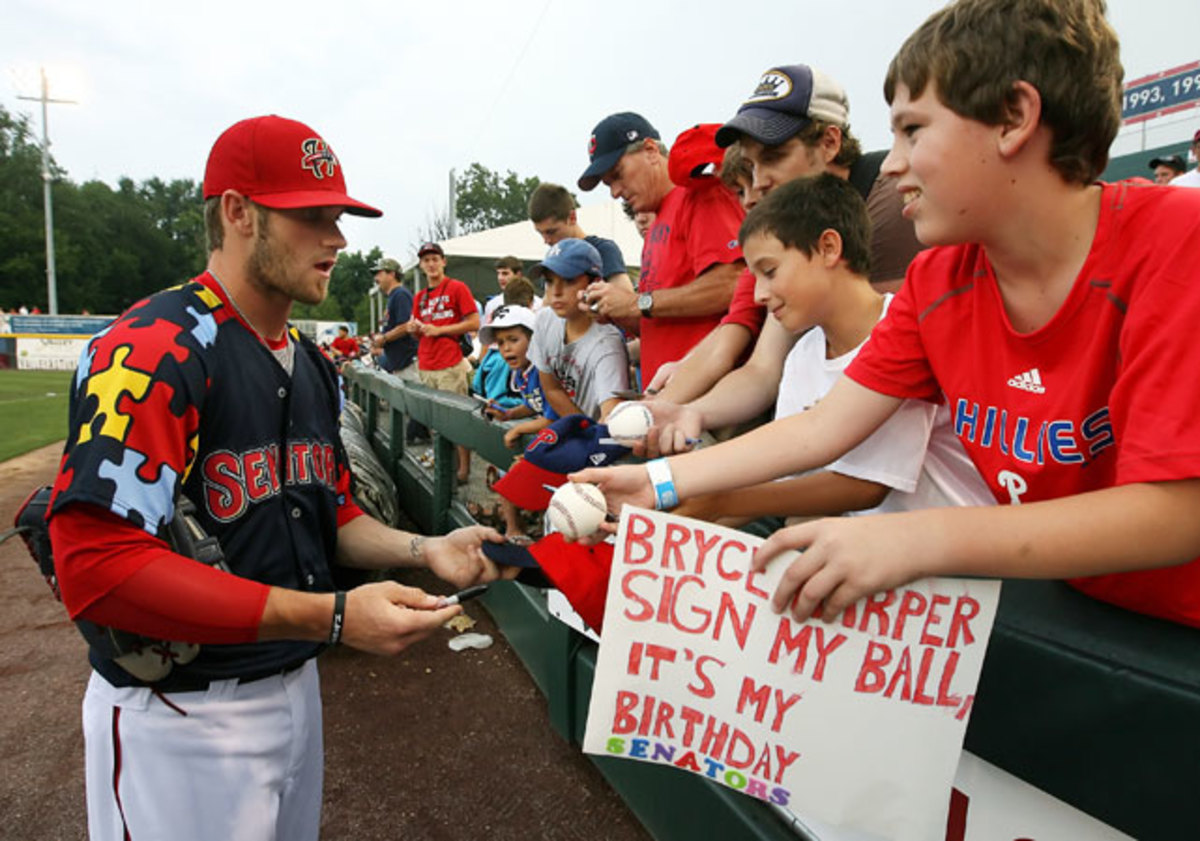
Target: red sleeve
pixel 464 301
pixel 712 233
pixel 347 509
pixel 742 309
pixel 894 361
pixel 113 573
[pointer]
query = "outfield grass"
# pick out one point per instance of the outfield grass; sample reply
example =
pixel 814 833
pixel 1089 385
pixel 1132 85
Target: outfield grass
pixel 33 410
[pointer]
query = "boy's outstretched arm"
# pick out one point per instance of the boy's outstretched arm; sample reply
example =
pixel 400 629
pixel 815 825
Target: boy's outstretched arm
pixel 843 419
pixel 823 493
pixel 1119 529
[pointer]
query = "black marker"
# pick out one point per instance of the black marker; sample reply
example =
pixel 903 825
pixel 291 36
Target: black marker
pixel 462 595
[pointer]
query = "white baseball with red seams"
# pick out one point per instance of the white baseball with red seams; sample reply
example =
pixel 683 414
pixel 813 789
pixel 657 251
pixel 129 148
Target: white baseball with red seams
pixel 577 509
pixel 629 423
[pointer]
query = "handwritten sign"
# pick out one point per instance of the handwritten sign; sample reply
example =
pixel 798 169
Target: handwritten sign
pixel 858 722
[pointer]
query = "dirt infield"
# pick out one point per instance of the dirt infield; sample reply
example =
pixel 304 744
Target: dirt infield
pixel 432 744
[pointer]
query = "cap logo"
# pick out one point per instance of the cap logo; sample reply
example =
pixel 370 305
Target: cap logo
pixel 631 135
pixel 547 438
pixel 772 86
pixel 318 158
pixel 592 147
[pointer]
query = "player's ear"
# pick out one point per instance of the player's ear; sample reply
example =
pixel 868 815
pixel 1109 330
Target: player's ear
pixel 237 213
pixel 1023 116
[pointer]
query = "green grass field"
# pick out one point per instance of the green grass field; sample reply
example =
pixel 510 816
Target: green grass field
pixel 33 409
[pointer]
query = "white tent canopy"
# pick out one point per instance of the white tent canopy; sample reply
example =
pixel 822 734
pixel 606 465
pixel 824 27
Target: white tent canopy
pixel 521 240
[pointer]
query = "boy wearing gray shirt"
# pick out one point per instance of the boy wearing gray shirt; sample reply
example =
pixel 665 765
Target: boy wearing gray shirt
pixel 582 364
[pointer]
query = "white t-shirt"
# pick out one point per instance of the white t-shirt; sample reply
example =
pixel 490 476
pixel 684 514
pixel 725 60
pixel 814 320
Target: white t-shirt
pixel 1188 179
pixel 592 369
pixel 914 452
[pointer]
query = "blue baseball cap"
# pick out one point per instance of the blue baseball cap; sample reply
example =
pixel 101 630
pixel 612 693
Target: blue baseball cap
pixel 569 258
pixel 610 138
pixel 571 443
pixel 785 100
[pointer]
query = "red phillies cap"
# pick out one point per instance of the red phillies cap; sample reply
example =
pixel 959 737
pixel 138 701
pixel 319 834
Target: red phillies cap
pixel 279 163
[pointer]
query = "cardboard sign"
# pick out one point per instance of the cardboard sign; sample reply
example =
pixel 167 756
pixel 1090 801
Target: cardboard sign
pixel 858 722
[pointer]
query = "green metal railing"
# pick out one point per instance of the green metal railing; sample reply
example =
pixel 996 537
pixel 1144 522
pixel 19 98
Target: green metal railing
pixel 672 805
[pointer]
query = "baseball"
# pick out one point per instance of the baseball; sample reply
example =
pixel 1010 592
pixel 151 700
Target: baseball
pixel 577 509
pixel 629 423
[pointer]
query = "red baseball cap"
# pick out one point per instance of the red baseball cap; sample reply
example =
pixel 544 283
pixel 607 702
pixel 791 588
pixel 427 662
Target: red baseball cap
pixel 279 163
pixel 693 153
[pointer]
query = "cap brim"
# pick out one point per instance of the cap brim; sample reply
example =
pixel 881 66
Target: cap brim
pixel 600 165
pixel 508 554
pixel 524 485
pixel 314 198
pixel 770 128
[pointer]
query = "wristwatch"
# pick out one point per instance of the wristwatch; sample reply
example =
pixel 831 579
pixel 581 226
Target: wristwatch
pixel 645 303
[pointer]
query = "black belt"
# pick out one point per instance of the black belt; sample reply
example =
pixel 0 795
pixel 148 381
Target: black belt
pixel 195 683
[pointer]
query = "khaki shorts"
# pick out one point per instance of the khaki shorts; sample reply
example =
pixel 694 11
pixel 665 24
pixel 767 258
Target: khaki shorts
pixel 456 379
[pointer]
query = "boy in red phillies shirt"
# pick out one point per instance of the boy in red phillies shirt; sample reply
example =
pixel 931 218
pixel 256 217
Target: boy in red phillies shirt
pixel 1054 314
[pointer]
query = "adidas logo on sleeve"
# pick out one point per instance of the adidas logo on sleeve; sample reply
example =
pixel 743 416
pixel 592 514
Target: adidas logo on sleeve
pixel 1031 381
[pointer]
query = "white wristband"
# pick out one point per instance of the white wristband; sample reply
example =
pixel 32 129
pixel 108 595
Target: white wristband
pixel 665 495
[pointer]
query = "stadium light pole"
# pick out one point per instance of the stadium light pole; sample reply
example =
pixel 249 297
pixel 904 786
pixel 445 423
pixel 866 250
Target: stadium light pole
pixel 47 178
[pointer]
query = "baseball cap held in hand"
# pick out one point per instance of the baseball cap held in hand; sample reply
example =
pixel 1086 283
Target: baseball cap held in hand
pixel 569 444
pixel 281 164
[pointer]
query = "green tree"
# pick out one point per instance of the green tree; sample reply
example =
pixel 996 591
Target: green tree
pixel 348 289
pixel 112 247
pixel 486 199
pixel 22 231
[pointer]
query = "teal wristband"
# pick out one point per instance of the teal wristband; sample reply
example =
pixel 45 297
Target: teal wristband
pixel 665 495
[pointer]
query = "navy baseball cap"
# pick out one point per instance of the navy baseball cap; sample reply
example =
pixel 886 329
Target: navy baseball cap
pixel 1175 162
pixel 609 140
pixel 569 258
pixel 570 444
pixel 786 100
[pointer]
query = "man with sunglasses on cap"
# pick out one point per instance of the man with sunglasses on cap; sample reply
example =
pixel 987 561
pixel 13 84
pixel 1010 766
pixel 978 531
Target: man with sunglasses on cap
pixel 394 345
pixel 795 123
pixel 690 256
pixel 204 391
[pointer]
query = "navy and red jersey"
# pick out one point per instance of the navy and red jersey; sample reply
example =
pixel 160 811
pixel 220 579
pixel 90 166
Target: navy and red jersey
pixel 179 395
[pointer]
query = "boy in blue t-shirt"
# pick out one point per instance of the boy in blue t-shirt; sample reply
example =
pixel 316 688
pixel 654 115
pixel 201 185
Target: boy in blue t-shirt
pixel 511 329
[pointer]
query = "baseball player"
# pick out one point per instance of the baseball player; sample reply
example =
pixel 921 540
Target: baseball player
pixel 204 390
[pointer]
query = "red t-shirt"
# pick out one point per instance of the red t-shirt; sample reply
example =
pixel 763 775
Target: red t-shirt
pixel 346 346
pixel 695 229
pixel 1103 394
pixel 743 309
pixel 447 303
